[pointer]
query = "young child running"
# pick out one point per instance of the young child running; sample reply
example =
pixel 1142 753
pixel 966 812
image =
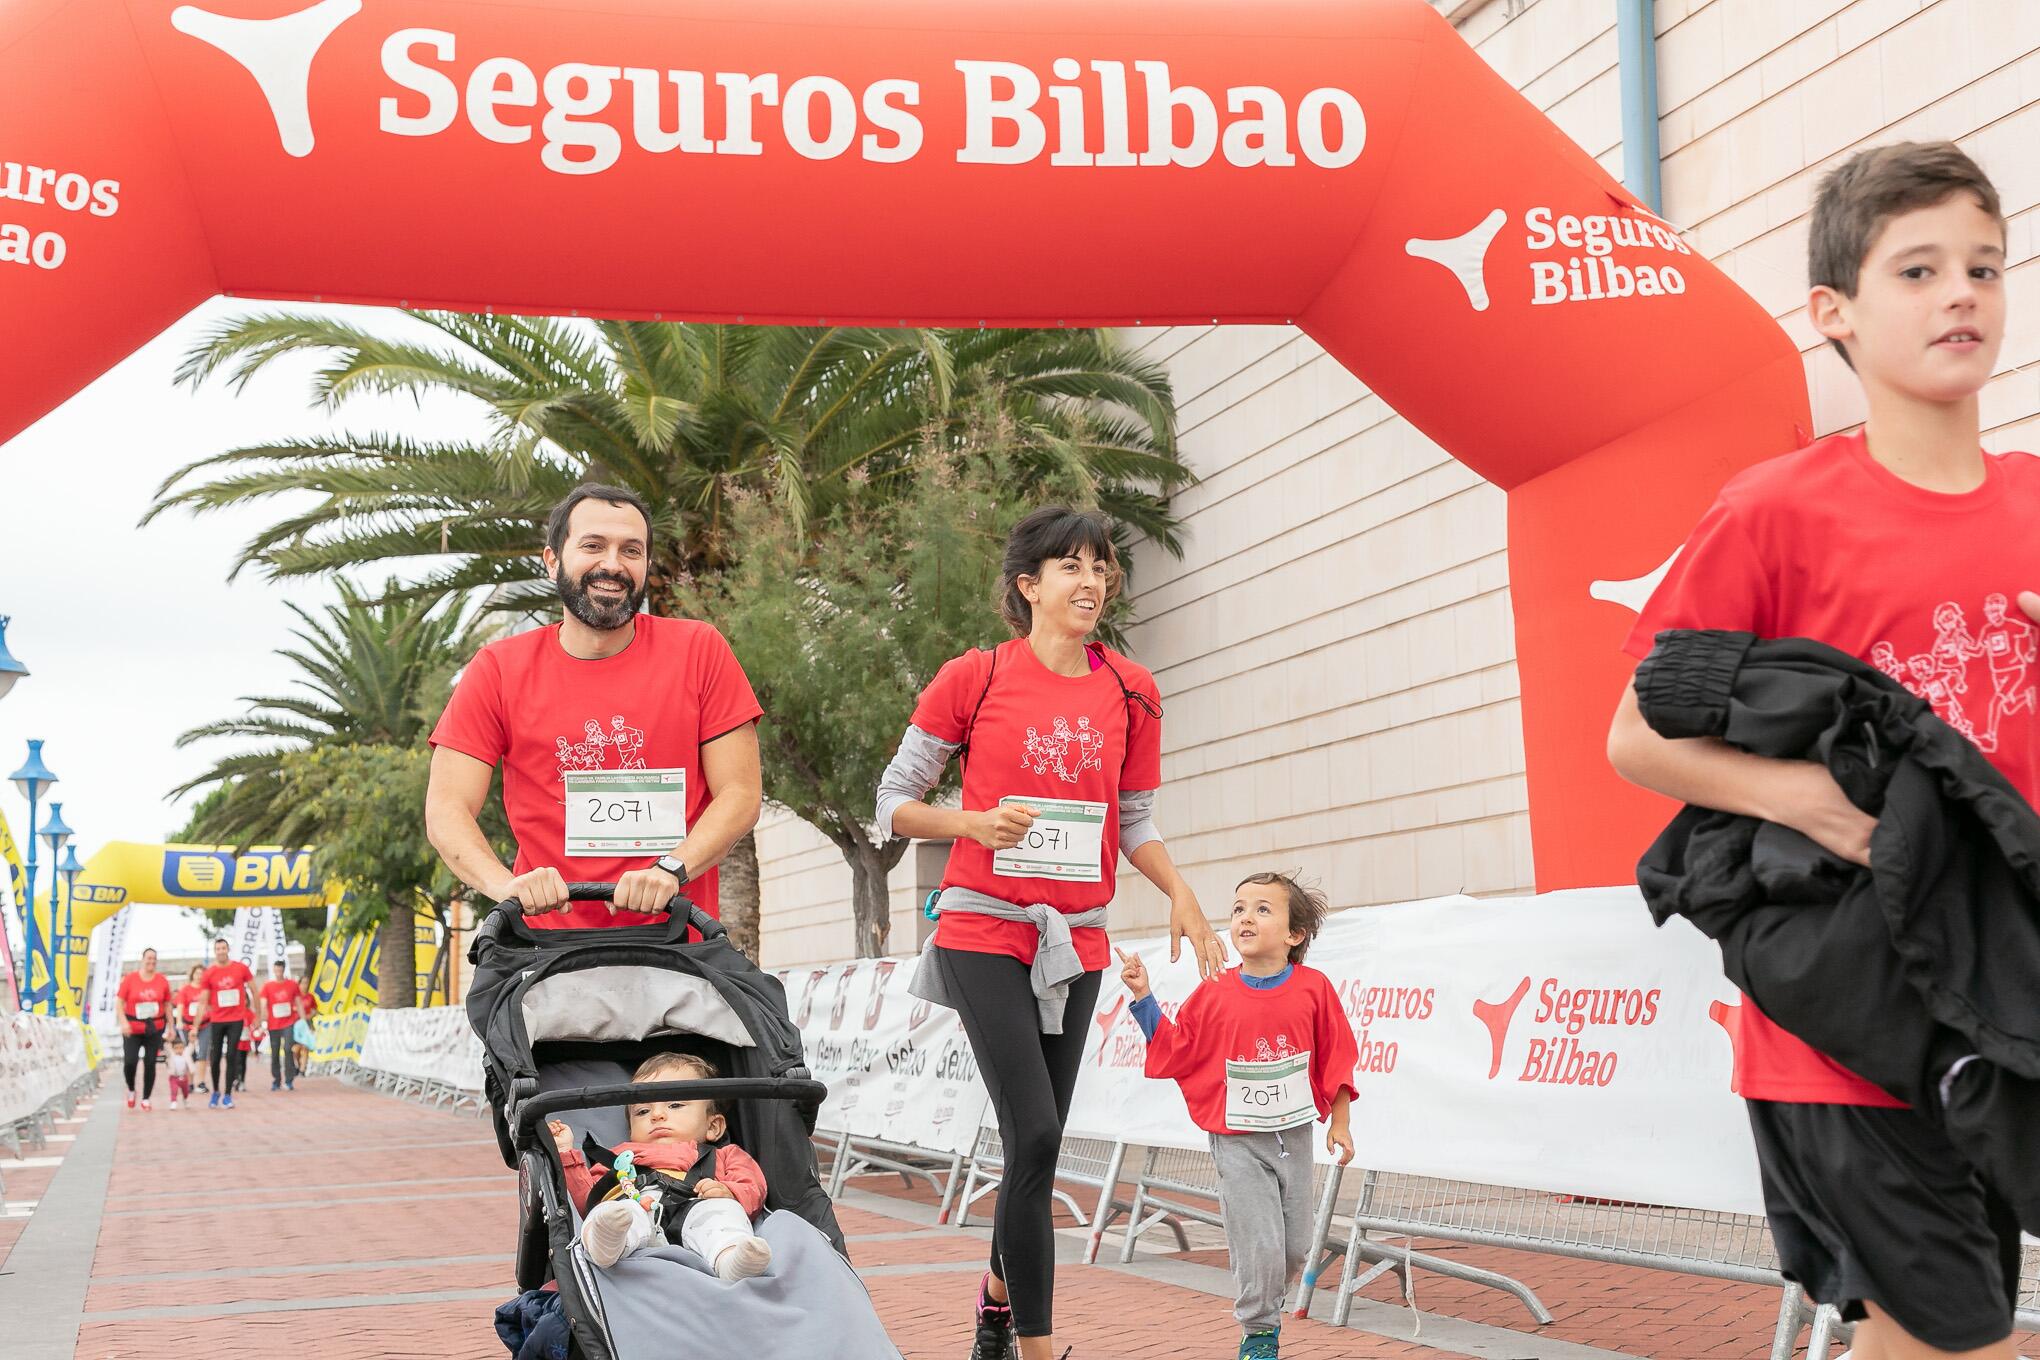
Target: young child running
pixel 1261 1051
pixel 668 1138
pixel 180 1073
pixel 1874 542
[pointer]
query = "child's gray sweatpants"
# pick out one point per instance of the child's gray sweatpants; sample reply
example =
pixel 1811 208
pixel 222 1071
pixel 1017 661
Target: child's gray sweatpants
pixel 1265 1198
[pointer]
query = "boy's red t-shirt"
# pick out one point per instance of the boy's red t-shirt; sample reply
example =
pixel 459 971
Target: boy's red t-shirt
pixel 232 978
pixel 1225 1020
pixel 527 705
pixel 1040 735
pixel 1826 543
pixel 280 1003
pixel 133 991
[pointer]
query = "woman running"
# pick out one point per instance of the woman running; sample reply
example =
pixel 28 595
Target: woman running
pixel 145 1015
pixel 1061 743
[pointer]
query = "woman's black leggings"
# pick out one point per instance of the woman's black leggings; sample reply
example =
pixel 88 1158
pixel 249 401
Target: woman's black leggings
pixel 224 1041
pixel 1031 1076
pixel 147 1045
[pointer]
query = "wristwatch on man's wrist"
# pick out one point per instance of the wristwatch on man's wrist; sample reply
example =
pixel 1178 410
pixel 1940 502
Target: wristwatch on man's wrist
pixel 674 866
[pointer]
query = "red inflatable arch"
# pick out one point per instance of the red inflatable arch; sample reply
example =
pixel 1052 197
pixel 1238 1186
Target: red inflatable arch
pixel 1351 167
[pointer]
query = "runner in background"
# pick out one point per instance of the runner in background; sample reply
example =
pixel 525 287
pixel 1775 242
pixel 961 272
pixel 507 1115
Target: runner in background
pixel 144 999
pixel 302 1035
pixel 226 1014
pixel 280 1010
pixel 189 1002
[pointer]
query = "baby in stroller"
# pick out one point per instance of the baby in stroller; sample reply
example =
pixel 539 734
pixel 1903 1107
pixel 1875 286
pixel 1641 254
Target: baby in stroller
pixel 675 1180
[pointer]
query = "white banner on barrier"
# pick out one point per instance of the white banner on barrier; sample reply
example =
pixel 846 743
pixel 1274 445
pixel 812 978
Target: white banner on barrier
pixel 1560 1042
pixel 897 1067
pixel 431 1043
pixel 39 1056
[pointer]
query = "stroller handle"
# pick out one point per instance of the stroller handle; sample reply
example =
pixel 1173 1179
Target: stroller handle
pixel 530 1111
pixel 700 921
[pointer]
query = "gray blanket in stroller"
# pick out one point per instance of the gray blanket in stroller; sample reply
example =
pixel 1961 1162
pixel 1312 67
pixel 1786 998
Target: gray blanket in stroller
pixel 663 1302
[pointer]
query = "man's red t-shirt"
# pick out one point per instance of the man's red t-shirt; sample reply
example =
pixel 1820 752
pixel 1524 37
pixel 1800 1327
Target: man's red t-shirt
pixel 280 1003
pixel 543 715
pixel 1225 1021
pixel 226 992
pixel 1826 543
pixel 1040 735
pixel 135 992
pixel 187 1002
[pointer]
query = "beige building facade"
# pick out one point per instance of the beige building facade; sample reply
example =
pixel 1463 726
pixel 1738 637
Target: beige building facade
pixel 1335 650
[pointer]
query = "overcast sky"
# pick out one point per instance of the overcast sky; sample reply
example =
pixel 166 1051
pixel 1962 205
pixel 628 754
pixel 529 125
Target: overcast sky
pixel 133 635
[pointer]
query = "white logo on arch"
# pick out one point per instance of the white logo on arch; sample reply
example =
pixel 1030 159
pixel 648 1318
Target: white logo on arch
pixel 1465 255
pixel 278 53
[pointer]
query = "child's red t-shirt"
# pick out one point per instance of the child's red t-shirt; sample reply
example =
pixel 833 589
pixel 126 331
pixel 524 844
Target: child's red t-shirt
pixel 550 719
pixel 1040 735
pixel 1826 543
pixel 1228 1032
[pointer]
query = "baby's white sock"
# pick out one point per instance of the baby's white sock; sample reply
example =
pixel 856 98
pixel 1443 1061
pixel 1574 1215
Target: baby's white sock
pixel 743 1258
pixel 607 1229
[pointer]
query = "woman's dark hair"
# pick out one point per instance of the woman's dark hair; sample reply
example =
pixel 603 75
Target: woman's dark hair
pixel 1050 533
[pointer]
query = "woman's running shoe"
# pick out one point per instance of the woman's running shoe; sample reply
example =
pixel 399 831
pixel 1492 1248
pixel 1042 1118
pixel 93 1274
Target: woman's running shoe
pixel 994 1327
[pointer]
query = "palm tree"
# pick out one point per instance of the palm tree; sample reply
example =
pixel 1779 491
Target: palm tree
pixel 690 417
pixel 373 674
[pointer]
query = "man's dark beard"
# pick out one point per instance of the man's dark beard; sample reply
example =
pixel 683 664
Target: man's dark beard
pixel 599 614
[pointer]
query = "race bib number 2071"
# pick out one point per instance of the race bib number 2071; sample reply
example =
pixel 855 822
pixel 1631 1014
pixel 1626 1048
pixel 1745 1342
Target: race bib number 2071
pixel 624 812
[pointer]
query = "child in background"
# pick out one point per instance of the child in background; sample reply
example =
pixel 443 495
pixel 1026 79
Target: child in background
pixel 671 1136
pixel 180 1073
pixel 1261 1051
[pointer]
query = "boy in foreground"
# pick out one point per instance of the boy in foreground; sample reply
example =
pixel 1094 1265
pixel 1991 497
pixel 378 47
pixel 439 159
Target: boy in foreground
pixel 1260 1051
pixel 1876 543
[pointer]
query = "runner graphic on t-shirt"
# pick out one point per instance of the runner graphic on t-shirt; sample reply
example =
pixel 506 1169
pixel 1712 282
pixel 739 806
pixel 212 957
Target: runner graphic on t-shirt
pixel 2010 645
pixel 1884 657
pixel 1928 684
pixel 628 742
pixel 1037 752
pixel 1953 647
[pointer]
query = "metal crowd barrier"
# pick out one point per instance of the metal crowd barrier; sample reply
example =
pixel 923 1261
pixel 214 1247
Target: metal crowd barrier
pixel 422 1090
pixel 1090 1162
pixel 31 1132
pixel 855 1156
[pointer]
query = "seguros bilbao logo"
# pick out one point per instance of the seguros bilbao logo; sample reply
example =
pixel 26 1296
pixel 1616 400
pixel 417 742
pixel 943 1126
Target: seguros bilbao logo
pixel 1576 1019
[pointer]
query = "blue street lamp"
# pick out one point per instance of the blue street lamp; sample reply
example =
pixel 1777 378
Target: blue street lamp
pixel 10 669
pixel 68 871
pixel 34 780
pixel 56 834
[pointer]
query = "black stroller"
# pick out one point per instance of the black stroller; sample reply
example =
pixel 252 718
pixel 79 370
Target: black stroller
pixel 565 1016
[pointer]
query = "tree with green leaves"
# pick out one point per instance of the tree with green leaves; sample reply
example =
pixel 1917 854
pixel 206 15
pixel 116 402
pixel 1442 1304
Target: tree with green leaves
pixel 374 675
pixel 841 630
pixel 824 420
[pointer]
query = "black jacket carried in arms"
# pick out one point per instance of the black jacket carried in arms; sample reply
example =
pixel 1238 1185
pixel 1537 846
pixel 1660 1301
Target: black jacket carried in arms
pixel 1921 973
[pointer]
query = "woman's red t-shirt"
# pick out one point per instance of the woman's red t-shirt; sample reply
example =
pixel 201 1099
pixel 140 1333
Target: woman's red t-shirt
pixel 187 1002
pixel 134 989
pixel 1041 735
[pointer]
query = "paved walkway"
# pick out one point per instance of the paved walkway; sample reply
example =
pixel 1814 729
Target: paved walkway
pixel 336 1222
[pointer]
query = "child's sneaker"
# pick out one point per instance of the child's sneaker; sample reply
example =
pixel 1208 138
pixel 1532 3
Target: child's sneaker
pixel 173 1102
pixel 1259 1346
pixel 994 1328
pixel 742 1260
pixel 606 1231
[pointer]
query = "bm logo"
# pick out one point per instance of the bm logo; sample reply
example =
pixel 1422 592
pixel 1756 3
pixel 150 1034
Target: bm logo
pixel 214 873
